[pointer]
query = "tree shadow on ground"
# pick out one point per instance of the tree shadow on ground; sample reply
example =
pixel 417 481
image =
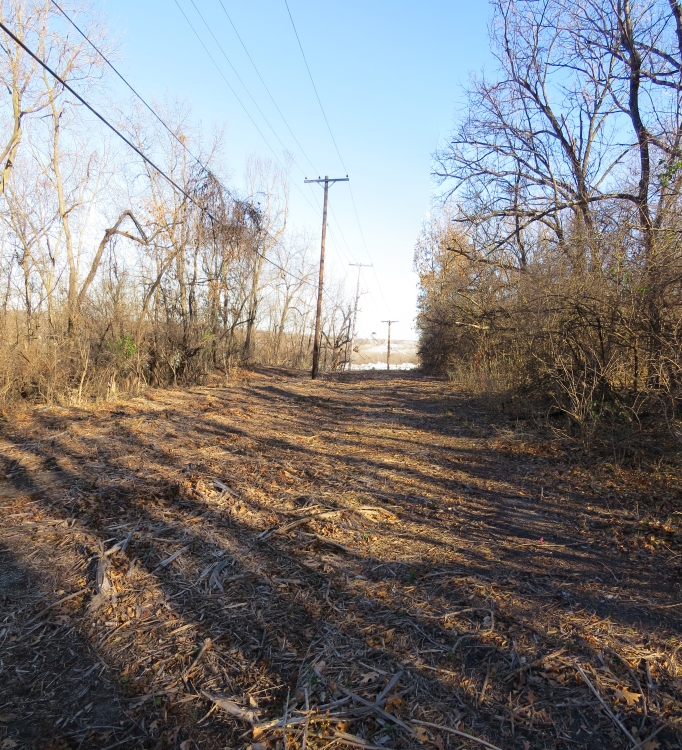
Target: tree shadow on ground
pixel 436 596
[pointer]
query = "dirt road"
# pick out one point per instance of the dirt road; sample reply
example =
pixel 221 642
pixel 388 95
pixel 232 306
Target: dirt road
pixel 370 561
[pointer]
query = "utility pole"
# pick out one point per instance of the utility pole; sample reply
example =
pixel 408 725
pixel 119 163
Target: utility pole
pixel 388 351
pixel 359 266
pixel 316 343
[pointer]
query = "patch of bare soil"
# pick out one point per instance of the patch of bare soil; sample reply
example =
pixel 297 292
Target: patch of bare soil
pixel 365 562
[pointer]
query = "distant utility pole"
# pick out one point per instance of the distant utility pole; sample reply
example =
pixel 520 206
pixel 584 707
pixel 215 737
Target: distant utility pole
pixel 316 344
pixel 388 351
pixel 359 266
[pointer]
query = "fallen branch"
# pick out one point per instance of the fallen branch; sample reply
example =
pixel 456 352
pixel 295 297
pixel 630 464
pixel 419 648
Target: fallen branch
pixel 330 542
pixel 170 559
pixel 391 684
pixel 377 709
pixel 207 645
pixel 232 708
pixel 456 732
pixel 59 601
pixel 535 663
pixel 362 510
pixel 351 739
pixel 460 612
pixel 610 713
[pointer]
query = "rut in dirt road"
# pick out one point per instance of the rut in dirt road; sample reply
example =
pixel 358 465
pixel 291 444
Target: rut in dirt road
pixel 370 561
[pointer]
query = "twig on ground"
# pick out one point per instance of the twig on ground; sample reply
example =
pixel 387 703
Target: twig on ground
pixel 304 739
pixel 457 732
pixel 207 645
pixel 610 713
pixel 232 708
pixel 351 739
pixel 362 510
pixel 376 709
pixel 170 559
pixel 535 663
pixel 57 603
pixel 284 724
pixel 391 684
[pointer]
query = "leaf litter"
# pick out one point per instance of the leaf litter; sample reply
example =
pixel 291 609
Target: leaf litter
pixel 288 564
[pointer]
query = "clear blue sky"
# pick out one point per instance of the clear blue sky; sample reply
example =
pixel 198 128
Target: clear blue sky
pixel 389 75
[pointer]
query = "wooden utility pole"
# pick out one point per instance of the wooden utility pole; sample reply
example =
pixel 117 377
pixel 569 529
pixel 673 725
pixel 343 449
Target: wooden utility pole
pixel 388 351
pixel 316 343
pixel 359 266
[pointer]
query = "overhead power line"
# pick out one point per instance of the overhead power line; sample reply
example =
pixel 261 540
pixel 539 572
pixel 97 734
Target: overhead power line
pixel 131 145
pixel 224 77
pixel 319 101
pixel 272 98
pixel 324 114
pixel 158 117
pixel 234 70
pixel 126 82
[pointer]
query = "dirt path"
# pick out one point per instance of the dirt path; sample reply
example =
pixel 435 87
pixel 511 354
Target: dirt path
pixel 374 548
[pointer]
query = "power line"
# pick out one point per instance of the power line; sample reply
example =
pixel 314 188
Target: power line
pixel 120 75
pixel 131 145
pixel 229 85
pixel 265 86
pixel 234 70
pixel 247 91
pixel 252 99
pixel 222 5
pixel 162 121
pixel 319 101
pixel 149 107
pixel 324 114
pixel 241 103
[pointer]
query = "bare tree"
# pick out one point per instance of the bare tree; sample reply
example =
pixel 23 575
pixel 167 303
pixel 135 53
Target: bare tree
pixel 562 183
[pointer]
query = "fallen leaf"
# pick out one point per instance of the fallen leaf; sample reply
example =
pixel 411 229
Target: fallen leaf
pixel 651 745
pixel 420 734
pixel 530 697
pixel 628 697
pixel 8 744
pixel 438 742
pixel 395 700
pixel 257 732
pixel 368 677
pixel 5 718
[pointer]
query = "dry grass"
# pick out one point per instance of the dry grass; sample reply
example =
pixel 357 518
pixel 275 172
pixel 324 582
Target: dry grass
pixel 360 562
